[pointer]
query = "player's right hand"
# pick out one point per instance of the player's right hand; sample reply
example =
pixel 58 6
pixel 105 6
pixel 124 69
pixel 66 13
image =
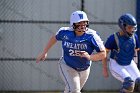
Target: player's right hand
pixel 41 57
pixel 85 55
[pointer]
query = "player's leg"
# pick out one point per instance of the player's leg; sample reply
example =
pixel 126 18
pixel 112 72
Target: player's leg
pixel 137 81
pixel 128 85
pixel 70 77
pixel 83 77
pixel 121 74
pixel 118 71
pixel 135 74
pixel 137 84
pixel 133 70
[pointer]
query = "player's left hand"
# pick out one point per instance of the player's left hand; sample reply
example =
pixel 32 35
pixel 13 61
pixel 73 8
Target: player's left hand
pixel 85 54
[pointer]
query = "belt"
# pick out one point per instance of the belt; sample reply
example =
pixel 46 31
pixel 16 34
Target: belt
pixel 80 69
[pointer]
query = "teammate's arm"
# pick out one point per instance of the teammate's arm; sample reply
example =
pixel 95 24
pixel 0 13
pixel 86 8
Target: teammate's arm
pixel 104 62
pixel 138 49
pixel 94 57
pixel 43 55
pixel 98 56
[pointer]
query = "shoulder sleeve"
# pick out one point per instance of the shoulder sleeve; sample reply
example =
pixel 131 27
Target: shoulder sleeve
pixel 98 43
pixel 137 41
pixel 60 34
pixel 111 43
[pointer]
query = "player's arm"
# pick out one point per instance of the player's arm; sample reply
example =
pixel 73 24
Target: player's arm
pixel 104 64
pixel 98 56
pixel 99 47
pixel 137 49
pixel 50 43
pixel 94 57
pixel 137 43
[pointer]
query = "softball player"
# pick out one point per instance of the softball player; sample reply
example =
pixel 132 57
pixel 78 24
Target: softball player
pixel 123 46
pixel 78 43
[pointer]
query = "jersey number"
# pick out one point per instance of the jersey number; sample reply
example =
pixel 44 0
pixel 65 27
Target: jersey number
pixel 74 52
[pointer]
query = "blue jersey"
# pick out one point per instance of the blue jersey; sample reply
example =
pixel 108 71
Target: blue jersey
pixel 123 51
pixel 72 45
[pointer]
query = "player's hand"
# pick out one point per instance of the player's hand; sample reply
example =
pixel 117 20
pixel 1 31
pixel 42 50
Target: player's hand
pixel 41 57
pixel 105 72
pixel 85 54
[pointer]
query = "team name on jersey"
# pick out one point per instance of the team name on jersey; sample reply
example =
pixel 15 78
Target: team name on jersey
pixel 75 45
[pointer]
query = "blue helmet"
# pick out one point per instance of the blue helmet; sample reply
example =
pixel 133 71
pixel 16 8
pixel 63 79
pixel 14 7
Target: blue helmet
pixel 127 19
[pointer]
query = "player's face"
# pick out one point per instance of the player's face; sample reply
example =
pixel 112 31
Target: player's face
pixel 81 26
pixel 130 29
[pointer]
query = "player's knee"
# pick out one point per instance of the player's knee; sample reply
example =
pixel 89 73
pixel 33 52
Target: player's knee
pixel 72 91
pixel 75 91
pixel 128 85
pixel 137 81
pixel 121 91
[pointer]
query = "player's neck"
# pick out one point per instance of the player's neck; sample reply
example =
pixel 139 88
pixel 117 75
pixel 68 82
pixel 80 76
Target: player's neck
pixel 79 33
pixel 121 33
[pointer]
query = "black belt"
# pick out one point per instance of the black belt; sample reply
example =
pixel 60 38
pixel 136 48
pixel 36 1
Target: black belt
pixel 80 69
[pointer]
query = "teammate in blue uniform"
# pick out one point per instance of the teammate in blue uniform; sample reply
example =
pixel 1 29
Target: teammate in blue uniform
pixel 123 45
pixel 78 43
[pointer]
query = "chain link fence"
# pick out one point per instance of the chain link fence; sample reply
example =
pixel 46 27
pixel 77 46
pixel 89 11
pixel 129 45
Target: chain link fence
pixel 25 28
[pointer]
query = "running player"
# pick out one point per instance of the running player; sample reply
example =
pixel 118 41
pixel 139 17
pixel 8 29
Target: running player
pixel 123 46
pixel 78 43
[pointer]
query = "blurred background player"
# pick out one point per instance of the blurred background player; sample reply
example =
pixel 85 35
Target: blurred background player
pixel 123 45
pixel 78 43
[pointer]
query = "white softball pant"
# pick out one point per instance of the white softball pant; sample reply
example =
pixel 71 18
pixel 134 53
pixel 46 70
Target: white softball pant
pixel 74 80
pixel 121 72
